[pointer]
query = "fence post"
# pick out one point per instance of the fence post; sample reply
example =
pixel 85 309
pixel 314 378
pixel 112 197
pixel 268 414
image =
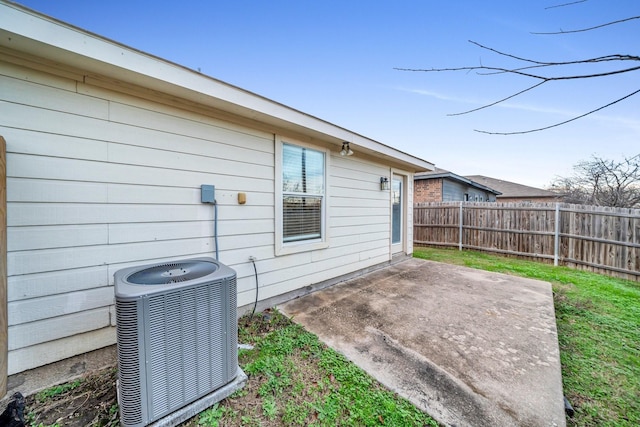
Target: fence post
pixel 460 228
pixel 556 240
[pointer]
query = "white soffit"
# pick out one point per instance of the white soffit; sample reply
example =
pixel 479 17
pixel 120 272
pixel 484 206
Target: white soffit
pixel 24 30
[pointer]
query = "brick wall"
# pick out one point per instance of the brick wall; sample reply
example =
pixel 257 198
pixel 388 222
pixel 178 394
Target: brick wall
pixel 427 190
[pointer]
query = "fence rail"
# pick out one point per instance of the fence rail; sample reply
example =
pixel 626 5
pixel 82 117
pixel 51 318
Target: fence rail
pixel 595 238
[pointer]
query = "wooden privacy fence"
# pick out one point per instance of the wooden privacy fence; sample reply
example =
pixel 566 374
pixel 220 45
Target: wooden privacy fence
pixel 595 238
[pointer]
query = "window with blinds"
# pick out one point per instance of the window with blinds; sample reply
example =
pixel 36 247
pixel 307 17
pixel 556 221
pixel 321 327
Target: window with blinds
pixel 302 193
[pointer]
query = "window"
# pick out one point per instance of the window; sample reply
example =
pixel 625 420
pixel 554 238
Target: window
pixel 301 198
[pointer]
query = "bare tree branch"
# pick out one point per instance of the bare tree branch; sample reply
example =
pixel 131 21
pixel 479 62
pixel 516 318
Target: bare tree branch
pixel 590 28
pixel 603 182
pixel 538 64
pixel 565 4
pixel 598 59
pixel 500 70
pixel 616 64
pixel 561 123
pixel 544 79
pixel 499 101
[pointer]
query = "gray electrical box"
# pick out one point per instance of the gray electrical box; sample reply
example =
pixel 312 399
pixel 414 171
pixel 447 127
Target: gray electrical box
pixel 207 193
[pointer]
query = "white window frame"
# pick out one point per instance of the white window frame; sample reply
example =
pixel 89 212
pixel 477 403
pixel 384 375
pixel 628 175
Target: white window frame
pixel 285 248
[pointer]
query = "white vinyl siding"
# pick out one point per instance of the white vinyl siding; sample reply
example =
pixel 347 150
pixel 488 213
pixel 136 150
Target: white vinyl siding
pixel 358 224
pixel 98 181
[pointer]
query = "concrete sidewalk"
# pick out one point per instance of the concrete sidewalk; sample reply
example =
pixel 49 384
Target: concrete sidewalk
pixel 469 347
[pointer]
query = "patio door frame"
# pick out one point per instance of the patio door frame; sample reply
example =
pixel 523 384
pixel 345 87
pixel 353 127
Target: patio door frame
pixel 401 246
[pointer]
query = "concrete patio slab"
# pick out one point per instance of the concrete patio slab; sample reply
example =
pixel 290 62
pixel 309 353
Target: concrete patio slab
pixel 469 347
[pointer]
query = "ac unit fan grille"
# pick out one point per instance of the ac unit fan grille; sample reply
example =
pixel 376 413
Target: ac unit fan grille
pixel 169 273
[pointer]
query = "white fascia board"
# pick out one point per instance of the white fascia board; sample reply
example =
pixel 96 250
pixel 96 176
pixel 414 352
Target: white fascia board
pixel 24 30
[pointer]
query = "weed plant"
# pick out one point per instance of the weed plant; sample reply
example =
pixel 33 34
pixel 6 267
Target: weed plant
pixel 295 380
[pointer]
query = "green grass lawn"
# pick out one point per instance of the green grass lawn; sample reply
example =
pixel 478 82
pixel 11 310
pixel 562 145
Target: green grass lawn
pixel 295 380
pixel 598 320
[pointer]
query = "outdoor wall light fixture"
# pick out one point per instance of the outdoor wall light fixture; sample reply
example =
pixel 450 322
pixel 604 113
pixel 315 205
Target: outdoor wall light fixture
pixel 384 183
pixel 346 150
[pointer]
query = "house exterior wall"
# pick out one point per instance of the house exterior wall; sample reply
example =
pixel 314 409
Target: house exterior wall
pixel 428 190
pixel 453 191
pixel 98 180
pixel 446 190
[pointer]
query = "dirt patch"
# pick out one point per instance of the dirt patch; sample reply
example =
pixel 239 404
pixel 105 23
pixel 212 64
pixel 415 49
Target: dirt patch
pixel 92 399
pixel 293 380
pixel 89 401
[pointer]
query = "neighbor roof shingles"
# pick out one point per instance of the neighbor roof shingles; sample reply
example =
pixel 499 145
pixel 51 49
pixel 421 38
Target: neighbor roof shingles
pixel 511 189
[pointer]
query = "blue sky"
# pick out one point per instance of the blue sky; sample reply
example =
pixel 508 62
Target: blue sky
pixel 335 60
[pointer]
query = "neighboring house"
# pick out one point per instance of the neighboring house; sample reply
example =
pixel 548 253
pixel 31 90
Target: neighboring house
pixel 444 186
pixel 513 192
pixel 107 148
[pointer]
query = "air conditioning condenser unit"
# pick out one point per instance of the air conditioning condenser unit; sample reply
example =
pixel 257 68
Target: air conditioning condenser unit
pixel 177 336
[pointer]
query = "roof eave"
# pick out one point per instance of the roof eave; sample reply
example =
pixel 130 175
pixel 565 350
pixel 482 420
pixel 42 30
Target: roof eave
pixel 460 179
pixel 27 31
